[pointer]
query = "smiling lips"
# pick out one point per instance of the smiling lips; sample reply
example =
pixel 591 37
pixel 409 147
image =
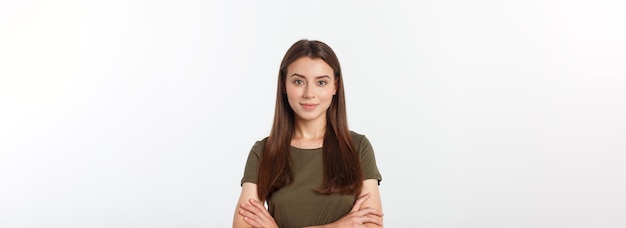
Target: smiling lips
pixel 308 106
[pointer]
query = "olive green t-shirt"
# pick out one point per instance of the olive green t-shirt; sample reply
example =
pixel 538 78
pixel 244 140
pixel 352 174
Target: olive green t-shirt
pixel 297 204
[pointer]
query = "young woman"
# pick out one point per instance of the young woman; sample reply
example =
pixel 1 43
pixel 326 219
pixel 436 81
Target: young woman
pixel 311 170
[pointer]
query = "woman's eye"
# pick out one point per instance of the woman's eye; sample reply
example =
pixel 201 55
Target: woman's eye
pixel 322 83
pixel 298 82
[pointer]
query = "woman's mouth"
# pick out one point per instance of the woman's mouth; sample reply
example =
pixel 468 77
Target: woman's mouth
pixel 308 106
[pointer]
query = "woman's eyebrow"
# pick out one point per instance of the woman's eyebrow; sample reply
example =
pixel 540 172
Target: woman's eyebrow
pixel 297 75
pixel 302 76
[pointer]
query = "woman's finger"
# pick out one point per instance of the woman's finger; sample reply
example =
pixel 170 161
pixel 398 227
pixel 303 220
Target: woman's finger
pixel 261 208
pixel 251 222
pixel 249 218
pixel 254 213
pixel 371 219
pixel 250 208
pixel 359 202
pixel 369 211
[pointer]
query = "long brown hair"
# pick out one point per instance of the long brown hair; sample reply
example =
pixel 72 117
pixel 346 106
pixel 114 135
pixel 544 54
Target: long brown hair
pixel 342 168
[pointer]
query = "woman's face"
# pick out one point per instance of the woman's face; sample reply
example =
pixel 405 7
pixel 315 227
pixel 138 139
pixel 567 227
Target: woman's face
pixel 310 86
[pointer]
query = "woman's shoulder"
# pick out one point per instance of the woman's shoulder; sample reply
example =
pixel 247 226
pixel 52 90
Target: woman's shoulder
pixel 261 141
pixel 358 138
pixel 259 145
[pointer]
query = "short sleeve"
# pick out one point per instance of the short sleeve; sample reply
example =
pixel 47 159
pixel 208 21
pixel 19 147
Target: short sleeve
pixel 251 170
pixel 368 159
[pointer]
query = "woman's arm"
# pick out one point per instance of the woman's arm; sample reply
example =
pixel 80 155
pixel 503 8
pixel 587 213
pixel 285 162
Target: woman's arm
pixel 367 210
pixel 250 211
pixel 248 191
pixel 371 187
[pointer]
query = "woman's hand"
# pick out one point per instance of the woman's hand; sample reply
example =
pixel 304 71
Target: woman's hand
pixel 255 214
pixel 360 217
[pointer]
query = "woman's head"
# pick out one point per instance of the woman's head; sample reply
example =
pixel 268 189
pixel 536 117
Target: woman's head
pixel 310 74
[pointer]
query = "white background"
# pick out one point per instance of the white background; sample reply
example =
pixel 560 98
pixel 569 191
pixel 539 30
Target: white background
pixel 481 113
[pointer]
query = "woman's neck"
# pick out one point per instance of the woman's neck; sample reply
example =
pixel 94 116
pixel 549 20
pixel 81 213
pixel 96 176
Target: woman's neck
pixel 309 134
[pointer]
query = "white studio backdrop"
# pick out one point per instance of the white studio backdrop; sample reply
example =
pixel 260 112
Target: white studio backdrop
pixel 481 113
